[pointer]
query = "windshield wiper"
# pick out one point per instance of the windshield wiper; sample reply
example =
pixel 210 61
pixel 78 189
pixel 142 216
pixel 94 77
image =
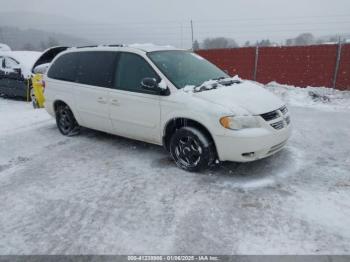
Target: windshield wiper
pixel 223 81
pixel 218 78
pixel 204 87
pixel 228 82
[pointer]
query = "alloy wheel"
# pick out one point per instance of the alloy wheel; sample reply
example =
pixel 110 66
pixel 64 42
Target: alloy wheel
pixel 188 151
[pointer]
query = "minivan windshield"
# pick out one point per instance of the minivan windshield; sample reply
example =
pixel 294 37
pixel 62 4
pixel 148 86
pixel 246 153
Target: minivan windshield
pixel 185 68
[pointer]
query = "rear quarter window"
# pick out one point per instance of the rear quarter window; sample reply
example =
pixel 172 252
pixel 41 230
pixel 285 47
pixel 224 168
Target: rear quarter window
pixel 65 67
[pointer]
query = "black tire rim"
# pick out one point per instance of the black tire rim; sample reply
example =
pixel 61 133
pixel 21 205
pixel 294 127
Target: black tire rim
pixel 188 152
pixel 64 120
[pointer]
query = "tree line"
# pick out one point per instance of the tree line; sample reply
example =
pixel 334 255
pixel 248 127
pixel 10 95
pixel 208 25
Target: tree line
pixel 224 42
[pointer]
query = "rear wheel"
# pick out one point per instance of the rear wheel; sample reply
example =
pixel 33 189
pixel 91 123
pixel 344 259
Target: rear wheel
pixel 65 121
pixel 191 149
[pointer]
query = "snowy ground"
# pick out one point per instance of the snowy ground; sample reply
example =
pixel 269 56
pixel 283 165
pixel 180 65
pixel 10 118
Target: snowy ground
pixel 98 193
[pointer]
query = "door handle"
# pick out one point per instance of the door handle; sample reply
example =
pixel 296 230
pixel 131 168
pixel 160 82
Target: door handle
pixel 115 102
pixel 101 100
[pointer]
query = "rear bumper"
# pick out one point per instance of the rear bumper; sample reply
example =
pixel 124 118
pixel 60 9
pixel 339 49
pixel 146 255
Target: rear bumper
pixel 250 144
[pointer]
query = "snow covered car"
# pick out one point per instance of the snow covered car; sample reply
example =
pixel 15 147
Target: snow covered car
pixel 4 47
pixel 38 71
pixel 15 73
pixel 168 97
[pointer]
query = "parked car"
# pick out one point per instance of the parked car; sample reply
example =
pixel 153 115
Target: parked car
pixel 15 73
pixel 38 70
pixel 163 96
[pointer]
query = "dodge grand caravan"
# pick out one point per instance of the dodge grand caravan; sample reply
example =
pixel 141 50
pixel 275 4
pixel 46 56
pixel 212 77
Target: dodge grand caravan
pixel 168 97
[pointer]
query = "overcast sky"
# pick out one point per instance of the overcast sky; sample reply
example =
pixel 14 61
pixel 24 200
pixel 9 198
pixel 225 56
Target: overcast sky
pixel 165 21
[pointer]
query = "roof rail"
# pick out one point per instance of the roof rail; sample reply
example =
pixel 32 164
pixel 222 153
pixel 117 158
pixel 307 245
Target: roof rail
pixel 116 45
pixel 87 46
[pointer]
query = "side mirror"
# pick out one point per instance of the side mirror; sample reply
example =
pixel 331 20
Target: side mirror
pixel 149 83
pixel 41 69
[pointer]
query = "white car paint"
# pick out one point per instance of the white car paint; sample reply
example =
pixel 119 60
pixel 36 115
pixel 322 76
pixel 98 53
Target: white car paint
pixel 144 117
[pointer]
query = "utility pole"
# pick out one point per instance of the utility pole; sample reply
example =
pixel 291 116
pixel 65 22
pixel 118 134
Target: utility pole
pixel 336 69
pixel 192 34
pixel 255 72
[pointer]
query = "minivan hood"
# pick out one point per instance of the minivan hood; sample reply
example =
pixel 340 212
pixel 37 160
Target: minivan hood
pixel 245 95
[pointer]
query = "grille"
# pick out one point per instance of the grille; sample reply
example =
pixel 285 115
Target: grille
pixel 284 110
pixel 270 115
pixel 278 125
pixel 280 115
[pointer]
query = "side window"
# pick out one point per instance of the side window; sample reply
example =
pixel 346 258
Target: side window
pixel 65 67
pixel 131 69
pixel 96 68
pixel 10 63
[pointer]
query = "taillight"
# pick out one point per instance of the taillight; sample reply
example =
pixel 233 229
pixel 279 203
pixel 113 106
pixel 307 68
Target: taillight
pixel 44 84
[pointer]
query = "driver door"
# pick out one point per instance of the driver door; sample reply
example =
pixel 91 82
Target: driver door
pixel 134 112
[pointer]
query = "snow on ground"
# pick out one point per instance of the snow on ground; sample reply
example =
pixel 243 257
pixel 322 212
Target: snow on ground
pixel 98 193
pixel 18 115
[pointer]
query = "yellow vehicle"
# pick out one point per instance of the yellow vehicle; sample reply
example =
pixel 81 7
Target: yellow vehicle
pixel 38 71
pixel 37 91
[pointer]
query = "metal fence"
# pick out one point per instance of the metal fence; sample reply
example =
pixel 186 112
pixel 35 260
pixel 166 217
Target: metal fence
pixel 315 65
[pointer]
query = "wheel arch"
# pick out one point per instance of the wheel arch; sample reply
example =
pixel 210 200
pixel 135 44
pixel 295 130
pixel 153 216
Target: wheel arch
pixel 60 101
pixel 175 123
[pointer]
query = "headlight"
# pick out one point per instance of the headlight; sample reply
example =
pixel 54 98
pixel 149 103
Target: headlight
pixel 239 122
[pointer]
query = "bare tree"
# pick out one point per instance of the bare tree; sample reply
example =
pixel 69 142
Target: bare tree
pixel 219 42
pixel 305 39
pixel 302 39
pixel 264 42
pixel 195 45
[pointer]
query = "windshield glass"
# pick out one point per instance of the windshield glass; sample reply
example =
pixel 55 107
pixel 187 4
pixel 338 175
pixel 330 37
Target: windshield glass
pixel 184 68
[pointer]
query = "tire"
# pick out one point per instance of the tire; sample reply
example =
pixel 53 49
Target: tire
pixel 66 121
pixel 33 99
pixel 191 149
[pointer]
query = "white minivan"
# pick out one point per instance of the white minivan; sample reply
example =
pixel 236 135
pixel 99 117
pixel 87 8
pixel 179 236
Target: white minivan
pixel 168 97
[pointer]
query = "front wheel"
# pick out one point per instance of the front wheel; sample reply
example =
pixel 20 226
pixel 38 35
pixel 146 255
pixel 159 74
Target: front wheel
pixel 191 149
pixel 66 122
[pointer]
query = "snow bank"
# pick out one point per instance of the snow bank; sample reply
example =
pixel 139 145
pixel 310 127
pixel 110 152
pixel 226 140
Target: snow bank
pixel 315 97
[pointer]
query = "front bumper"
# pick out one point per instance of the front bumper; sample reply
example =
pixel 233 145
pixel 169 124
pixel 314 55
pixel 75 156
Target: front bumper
pixel 250 144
